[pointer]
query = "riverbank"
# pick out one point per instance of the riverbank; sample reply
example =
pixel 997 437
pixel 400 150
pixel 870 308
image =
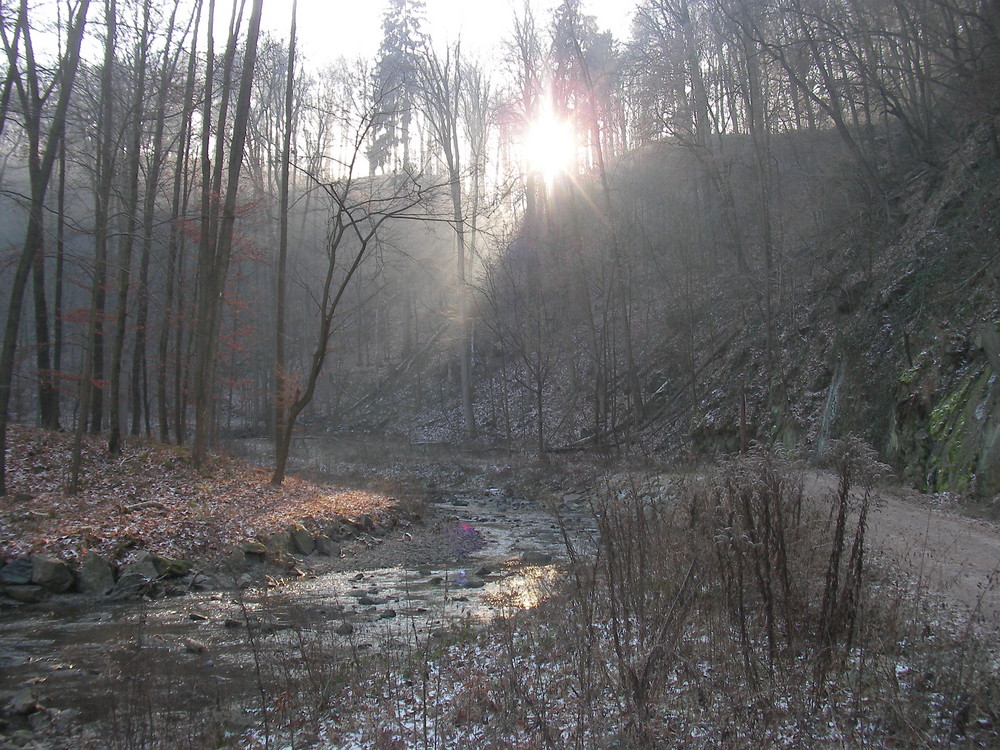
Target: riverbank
pixel 153 498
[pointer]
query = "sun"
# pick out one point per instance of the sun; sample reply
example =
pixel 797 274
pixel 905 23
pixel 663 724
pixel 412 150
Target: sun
pixel 549 146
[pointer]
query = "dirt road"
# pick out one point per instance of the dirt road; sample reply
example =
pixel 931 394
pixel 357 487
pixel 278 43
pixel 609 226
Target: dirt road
pixel 950 555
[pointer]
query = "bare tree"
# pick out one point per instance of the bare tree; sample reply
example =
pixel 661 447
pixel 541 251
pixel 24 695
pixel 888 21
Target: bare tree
pixel 175 245
pixel 359 209
pixel 442 83
pixel 218 222
pixel 286 158
pixel 127 238
pixel 45 129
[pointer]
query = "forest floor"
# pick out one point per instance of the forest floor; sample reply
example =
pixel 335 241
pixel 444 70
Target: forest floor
pixel 152 497
pixel 924 552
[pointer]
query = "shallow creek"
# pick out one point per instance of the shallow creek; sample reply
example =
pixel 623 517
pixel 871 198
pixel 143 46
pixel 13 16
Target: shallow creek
pixel 203 648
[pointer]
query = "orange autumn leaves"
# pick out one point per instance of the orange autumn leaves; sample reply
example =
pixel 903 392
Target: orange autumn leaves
pixel 151 497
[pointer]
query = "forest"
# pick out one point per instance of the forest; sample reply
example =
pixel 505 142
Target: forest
pixel 594 390
pixel 617 245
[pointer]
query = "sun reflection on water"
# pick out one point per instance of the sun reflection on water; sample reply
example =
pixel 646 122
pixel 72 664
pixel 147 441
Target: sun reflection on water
pixel 524 589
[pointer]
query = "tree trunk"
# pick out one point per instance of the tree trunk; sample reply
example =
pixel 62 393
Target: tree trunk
pixel 41 161
pixel 215 250
pixel 127 240
pixel 57 314
pixel 280 366
pixel 46 389
pixel 175 245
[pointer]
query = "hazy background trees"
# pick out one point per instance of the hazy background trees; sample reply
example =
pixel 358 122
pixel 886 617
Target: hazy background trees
pixel 241 241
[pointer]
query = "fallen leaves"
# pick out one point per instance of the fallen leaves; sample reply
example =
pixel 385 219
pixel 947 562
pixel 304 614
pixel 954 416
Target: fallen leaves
pixel 152 497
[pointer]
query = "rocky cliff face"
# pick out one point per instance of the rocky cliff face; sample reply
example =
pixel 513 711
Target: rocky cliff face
pixel 905 353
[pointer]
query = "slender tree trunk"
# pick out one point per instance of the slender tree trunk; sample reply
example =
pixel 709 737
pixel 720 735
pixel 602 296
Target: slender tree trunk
pixel 127 240
pixel 139 405
pixel 281 374
pixel 57 315
pixel 178 209
pixel 215 250
pixel 41 161
pixel 46 389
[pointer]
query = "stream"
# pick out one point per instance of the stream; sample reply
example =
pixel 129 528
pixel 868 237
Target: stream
pixel 106 665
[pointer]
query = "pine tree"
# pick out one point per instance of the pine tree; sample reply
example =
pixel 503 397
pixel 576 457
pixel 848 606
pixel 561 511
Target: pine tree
pixel 396 83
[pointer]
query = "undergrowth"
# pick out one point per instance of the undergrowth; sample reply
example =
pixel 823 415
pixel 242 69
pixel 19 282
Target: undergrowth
pixel 726 610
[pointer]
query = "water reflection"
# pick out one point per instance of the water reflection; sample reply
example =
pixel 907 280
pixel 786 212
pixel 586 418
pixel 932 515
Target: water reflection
pixel 524 589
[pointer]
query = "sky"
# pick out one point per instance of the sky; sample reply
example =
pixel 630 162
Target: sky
pixel 329 29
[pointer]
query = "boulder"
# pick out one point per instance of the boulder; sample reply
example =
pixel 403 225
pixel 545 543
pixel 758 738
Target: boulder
pixel 26 593
pixel 132 585
pixel 17 571
pixel 338 530
pixel 302 540
pixel 23 702
pixel 278 543
pixel 169 568
pixel 51 573
pixel 142 565
pixel 328 547
pixel 253 548
pixel 237 560
pixel 96 576
pixel 364 522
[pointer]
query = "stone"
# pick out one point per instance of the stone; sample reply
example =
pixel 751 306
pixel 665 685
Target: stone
pixel 328 547
pixel 344 628
pixel 278 543
pixel 26 593
pixel 302 540
pixel 237 560
pixel 169 568
pixel 194 647
pixel 17 571
pixel 368 601
pixel 132 585
pixel 252 547
pixel 387 614
pixel 51 719
pixel 202 581
pixel 535 558
pixel 143 565
pixel 96 577
pixel 338 530
pixel 364 522
pixel 23 702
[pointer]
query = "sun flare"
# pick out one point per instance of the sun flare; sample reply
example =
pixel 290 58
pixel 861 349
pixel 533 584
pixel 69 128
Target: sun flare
pixel 549 146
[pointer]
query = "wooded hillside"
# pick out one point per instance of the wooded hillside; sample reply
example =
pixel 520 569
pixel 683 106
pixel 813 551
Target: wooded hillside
pixel 776 220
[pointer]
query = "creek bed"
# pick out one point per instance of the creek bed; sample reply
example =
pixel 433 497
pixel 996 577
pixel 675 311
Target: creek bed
pixel 207 658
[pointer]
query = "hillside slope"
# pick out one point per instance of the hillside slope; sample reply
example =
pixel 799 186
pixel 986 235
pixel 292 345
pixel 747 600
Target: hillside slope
pixel 905 352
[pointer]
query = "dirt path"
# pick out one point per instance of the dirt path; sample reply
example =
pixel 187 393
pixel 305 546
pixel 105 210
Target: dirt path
pixel 953 556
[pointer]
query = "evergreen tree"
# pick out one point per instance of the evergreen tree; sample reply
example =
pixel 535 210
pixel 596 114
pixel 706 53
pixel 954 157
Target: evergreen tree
pixel 396 83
